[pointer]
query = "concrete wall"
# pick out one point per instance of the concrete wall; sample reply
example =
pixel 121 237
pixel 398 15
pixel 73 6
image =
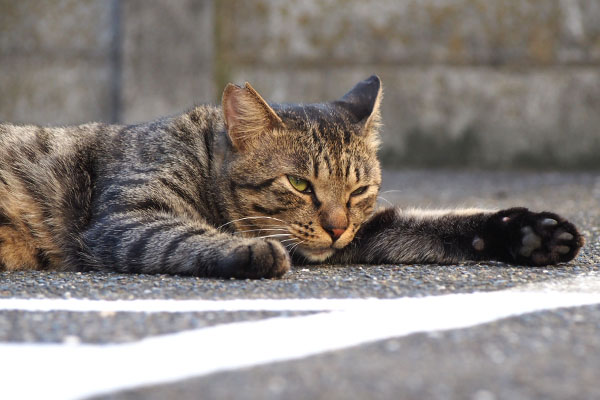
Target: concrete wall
pixel 73 61
pixel 505 83
pixel 55 64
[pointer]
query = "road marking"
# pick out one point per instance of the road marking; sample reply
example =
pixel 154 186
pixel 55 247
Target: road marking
pixel 60 371
pixel 186 306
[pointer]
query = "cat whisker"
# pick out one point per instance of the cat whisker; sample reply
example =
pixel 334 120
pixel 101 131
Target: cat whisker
pixel 292 250
pixel 386 200
pixel 261 230
pixel 277 235
pixel 290 246
pixel 246 218
pixel 257 226
pixel 288 240
pixel 394 190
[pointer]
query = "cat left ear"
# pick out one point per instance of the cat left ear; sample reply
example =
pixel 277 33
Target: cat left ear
pixel 364 101
pixel 247 115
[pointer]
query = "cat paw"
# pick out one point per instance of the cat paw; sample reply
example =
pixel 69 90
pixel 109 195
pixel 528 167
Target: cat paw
pixel 537 238
pixel 256 259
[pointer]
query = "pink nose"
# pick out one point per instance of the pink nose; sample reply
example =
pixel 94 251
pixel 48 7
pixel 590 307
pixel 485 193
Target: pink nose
pixel 335 233
pixel 334 221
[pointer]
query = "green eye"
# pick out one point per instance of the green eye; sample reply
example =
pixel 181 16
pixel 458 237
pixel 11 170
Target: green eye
pixel 359 191
pixel 300 184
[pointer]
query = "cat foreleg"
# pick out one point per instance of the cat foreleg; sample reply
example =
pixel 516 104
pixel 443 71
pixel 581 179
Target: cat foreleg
pixel 514 235
pixel 154 243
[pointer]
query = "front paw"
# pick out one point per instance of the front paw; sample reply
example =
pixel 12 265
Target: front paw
pixel 531 238
pixel 257 258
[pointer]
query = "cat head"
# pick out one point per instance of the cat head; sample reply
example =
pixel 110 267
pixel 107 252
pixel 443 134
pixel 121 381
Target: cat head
pixel 305 174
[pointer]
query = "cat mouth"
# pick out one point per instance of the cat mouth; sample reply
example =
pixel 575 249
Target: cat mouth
pixel 316 254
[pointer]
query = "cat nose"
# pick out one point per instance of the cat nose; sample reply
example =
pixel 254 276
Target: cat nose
pixel 334 221
pixel 334 232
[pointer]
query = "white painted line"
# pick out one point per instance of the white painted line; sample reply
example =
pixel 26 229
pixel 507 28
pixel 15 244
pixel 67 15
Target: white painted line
pixel 186 306
pixel 32 371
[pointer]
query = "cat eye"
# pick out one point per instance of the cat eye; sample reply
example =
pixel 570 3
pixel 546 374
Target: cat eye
pixel 301 185
pixel 359 191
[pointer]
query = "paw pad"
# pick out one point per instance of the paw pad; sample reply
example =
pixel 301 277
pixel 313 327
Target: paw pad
pixel 538 238
pixel 530 241
pixel 478 243
pixel 564 236
pixel 563 249
pixel 549 222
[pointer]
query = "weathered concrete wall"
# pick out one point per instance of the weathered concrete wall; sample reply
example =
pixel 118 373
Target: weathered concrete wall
pixel 465 32
pixel 55 61
pixel 467 82
pixel 73 61
pixel 167 57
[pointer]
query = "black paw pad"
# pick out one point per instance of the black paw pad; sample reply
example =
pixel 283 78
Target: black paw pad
pixel 532 238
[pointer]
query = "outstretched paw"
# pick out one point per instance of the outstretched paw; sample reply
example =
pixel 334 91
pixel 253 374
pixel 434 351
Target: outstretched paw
pixel 537 238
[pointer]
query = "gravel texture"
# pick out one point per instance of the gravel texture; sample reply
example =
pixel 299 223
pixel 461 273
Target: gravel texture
pixel 112 327
pixel 313 282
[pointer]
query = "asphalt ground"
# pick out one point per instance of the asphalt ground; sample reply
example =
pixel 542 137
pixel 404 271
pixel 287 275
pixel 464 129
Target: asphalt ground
pixel 553 353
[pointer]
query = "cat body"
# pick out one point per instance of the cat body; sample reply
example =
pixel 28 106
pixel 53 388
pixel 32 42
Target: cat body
pixel 232 192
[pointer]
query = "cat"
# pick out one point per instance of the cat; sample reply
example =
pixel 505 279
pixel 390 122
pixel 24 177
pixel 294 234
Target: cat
pixel 233 191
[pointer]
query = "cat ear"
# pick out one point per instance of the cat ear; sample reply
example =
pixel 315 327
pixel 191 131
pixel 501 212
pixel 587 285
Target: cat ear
pixel 247 115
pixel 364 101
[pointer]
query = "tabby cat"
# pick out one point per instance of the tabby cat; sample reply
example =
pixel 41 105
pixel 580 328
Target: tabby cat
pixel 232 192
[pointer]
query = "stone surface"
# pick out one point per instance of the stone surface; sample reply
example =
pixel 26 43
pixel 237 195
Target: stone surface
pixel 167 57
pixel 48 28
pixel 112 327
pixel 342 32
pixel 483 116
pixel 62 92
pixel 55 61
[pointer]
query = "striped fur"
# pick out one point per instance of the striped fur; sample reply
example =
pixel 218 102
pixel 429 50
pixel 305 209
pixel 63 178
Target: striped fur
pixel 207 193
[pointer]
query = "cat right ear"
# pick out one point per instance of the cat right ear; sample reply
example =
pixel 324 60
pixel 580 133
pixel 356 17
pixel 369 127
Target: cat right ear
pixel 247 115
pixel 364 101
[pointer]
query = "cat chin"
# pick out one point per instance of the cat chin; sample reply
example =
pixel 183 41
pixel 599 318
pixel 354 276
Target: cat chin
pixel 316 255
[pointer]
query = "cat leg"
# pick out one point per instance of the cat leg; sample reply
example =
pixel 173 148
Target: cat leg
pixel 515 235
pixel 160 243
